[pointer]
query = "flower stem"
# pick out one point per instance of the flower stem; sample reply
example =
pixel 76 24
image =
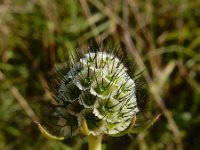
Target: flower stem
pixel 94 142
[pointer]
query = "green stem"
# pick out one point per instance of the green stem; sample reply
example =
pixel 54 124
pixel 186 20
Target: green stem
pixel 94 142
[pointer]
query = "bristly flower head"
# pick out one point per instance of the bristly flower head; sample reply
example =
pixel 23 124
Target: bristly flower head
pixel 95 95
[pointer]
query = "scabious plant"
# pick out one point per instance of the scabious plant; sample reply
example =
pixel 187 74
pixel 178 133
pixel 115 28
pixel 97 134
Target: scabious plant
pixel 96 95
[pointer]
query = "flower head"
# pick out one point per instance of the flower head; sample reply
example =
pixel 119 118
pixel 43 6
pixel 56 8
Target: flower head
pixel 95 96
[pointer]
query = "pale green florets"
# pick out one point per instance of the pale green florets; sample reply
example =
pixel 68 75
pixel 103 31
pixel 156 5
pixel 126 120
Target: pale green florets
pixel 99 90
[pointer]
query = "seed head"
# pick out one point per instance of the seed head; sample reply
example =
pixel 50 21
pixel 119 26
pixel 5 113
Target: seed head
pixel 96 95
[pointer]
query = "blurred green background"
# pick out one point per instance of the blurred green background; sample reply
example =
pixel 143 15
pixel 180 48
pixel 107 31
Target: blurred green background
pixel 163 36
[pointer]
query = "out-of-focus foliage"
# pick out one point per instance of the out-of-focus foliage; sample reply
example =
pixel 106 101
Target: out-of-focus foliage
pixel 162 35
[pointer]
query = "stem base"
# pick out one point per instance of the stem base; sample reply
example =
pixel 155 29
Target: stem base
pixel 94 142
